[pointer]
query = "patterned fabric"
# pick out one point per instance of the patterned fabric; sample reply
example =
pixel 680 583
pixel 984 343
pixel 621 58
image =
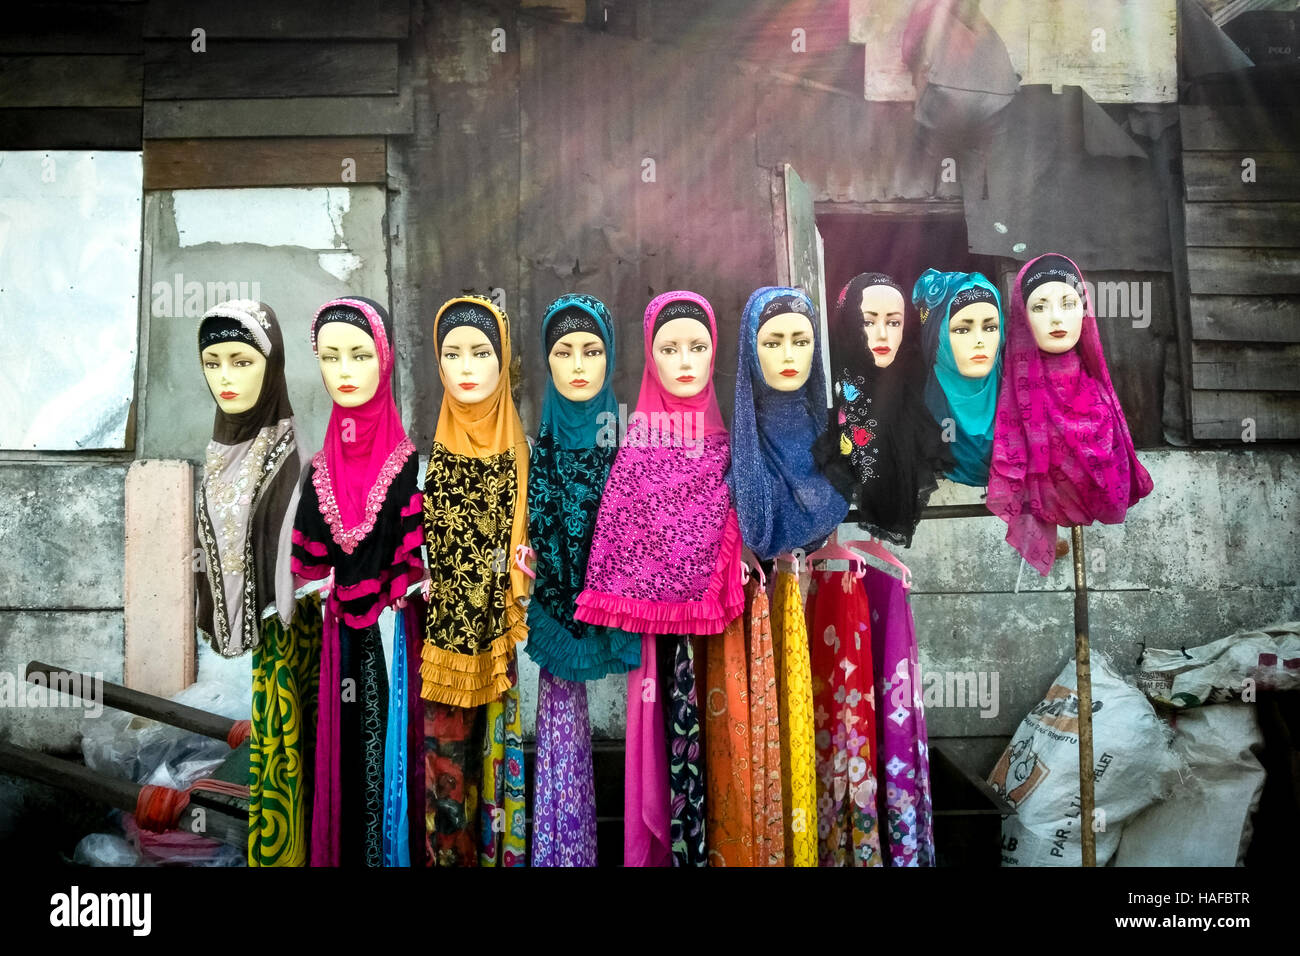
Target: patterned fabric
pixel 646 838
pixel 764 734
pixel 782 499
pixel 502 832
pixel 729 786
pixel 904 754
pixel 665 555
pixel 564 795
pixel 468 509
pixel 564 490
pixel 372 714
pixel 451 773
pixel 685 768
pixel 1062 452
pixel 397 759
pixel 478 480
pixel 844 697
pixel 798 750
pixel 969 403
pixel 286 672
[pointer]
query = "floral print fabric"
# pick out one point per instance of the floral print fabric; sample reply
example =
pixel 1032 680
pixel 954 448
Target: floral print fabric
pixel 685 772
pixel 502 831
pixel 845 718
pixel 798 753
pixel 764 734
pixel 729 787
pixel 564 796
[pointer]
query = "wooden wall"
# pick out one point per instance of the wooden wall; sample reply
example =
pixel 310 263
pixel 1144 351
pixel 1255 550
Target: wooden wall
pixel 1243 263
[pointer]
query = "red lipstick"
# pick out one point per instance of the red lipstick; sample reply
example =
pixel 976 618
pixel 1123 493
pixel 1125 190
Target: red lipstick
pixel 347 388
pixel 579 383
pixel 468 386
pixel 789 372
pixel 882 350
pixel 685 379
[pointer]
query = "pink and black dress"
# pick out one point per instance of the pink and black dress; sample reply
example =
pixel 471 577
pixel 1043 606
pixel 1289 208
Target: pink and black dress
pixel 359 520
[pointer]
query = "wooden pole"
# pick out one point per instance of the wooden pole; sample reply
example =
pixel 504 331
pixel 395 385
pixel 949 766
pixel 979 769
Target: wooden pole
pixel 1083 678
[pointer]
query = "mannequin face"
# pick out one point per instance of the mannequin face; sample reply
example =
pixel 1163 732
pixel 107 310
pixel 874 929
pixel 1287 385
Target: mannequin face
pixel 1056 316
pixel 578 365
pixel 469 363
pixel 785 351
pixel 234 371
pixel 682 352
pixel 349 364
pixel 974 332
pixel 882 317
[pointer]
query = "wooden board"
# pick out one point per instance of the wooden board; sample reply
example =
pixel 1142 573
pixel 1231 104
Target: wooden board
pixel 275 69
pixel 1216 176
pixel 305 161
pixel 302 116
pixel 1228 367
pixel 1219 415
pixel 1248 128
pixel 1246 318
pixel 117 128
pixel 284 19
pixel 1243 271
pixel 1243 224
pixel 35 81
pixel 57 27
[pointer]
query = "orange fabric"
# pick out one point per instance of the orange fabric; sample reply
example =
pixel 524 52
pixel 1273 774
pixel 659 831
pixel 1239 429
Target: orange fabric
pixel 240 731
pixel 764 735
pixel 729 828
pixel 160 808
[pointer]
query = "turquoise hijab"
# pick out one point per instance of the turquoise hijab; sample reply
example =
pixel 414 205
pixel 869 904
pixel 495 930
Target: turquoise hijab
pixel 971 403
pixel 576 424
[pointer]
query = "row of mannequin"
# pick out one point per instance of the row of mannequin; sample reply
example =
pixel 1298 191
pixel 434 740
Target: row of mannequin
pixel 634 536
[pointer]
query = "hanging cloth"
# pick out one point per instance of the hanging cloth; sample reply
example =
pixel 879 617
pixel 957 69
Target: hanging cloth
pixel 765 733
pixel 1062 453
pixel 729 786
pixel 564 797
pixel 476 520
pixel 686 820
pixel 782 499
pixel 798 748
pixel 646 839
pixel 903 757
pixel 969 403
pixel 665 556
pixel 884 448
pixel 844 696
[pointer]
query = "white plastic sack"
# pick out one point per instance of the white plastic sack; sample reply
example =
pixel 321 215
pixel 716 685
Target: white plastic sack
pixel 1207 819
pixel 1038 774
pixel 1231 668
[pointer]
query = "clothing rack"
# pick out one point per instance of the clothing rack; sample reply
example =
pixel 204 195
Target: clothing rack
pixel 1082 666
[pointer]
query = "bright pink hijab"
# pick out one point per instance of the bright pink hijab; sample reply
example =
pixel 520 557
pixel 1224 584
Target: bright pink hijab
pixel 360 441
pixel 665 554
pixel 1062 453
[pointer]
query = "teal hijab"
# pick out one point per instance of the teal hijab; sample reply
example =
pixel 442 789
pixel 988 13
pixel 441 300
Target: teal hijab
pixel 971 403
pixel 577 424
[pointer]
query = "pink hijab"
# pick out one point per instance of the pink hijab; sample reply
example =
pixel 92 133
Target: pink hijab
pixel 1062 453
pixel 363 444
pixel 665 554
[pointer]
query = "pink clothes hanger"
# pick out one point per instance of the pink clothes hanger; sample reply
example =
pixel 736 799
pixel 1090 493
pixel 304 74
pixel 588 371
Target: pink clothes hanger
pixel 749 563
pixel 876 548
pixel 832 550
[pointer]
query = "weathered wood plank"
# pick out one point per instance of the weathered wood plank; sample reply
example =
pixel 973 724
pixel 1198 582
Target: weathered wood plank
pixel 276 69
pixel 306 161
pixel 1246 367
pixel 1245 224
pixel 1245 127
pixel 1246 318
pixel 303 116
pixel 57 27
pixel 117 128
pixel 1222 416
pixel 297 19
pixel 83 81
pixel 1243 271
pixel 1216 177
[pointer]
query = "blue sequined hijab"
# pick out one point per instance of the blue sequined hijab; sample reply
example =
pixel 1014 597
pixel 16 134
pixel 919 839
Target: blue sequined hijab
pixel 781 497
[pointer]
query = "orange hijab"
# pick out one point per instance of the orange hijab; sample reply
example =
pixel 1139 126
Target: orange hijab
pixel 481 430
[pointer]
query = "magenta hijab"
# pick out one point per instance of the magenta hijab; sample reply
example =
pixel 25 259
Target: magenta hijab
pixel 362 444
pixel 1062 453
pixel 665 554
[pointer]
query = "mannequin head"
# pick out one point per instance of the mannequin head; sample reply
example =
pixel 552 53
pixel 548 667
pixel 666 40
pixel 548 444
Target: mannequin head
pixel 234 371
pixel 577 363
pixel 1055 311
pixel 785 351
pixel 882 320
pixel 469 364
pixel 349 364
pixel 683 353
pixel 974 332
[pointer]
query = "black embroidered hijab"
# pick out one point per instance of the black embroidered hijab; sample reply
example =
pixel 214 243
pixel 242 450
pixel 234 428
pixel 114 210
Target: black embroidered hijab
pixel 882 448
